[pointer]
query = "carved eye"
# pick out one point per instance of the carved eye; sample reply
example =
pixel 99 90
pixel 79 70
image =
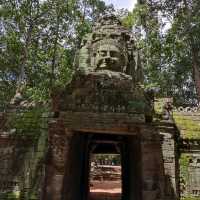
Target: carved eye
pixel 114 36
pixel 114 54
pixel 96 36
pixel 103 53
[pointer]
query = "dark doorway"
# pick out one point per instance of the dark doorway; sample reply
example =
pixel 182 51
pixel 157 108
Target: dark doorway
pixel 104 166
pixel 105 171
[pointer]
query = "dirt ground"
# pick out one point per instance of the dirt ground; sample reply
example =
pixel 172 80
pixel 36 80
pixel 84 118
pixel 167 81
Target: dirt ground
pixel 105 190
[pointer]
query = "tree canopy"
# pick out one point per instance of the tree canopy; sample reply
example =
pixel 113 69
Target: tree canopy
pixel 169 38
pixel 39 40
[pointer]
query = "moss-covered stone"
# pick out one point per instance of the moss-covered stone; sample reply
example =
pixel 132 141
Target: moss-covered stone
pixel 188 125
pixel 9 196
pixel 29 129
pixel 184 175
pixel 158 105
pixel 184 164
pixel 28 122
pixel 190 198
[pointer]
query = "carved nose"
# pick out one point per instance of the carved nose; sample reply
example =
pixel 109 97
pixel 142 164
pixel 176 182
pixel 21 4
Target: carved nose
pixel 107 59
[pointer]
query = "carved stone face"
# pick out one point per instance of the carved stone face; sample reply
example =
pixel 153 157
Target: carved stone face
pixel 108 57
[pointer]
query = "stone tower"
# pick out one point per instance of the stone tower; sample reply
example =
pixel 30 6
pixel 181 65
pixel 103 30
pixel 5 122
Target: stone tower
pixel 105 102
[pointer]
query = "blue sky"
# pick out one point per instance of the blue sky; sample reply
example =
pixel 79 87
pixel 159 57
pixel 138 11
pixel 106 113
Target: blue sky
pixel 129 4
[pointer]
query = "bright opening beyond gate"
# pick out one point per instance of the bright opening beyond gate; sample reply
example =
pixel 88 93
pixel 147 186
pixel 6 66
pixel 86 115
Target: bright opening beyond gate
pixel 105 175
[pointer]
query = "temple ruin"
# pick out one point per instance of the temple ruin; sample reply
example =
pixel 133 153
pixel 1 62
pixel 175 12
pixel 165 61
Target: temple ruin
pixel 103 103
pixel 103 109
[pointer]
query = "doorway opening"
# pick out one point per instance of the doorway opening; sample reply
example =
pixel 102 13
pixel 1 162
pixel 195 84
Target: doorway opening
pixel 105 170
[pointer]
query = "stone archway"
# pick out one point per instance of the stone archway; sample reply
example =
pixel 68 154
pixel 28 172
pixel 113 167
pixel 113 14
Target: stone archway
pixel 76 177
pixel 105 97
pixel 143 175
pixel 128 147
pixel 75 168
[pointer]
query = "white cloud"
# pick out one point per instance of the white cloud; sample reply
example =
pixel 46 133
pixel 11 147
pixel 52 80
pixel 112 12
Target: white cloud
pixel 132 4
pixel 128 4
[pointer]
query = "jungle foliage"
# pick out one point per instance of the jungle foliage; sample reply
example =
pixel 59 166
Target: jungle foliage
pixel 38 43
pixel 39 40
pixel 168 34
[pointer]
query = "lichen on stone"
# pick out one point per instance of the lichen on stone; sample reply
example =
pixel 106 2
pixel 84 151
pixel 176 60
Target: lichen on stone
pixel 188 125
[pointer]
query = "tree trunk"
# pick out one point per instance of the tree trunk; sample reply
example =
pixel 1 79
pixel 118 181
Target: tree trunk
pixel 55 46
pixel 21 80
pixel 196 71
pixel 194 53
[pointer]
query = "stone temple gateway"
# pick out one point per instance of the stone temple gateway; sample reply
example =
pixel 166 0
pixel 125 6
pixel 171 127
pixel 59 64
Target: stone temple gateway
pixel 105 103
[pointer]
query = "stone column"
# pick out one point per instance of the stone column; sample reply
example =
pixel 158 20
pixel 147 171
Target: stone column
pixel 75 169
pixel 134 168
pixel 152 165
pixel 59 145
pixel 170 158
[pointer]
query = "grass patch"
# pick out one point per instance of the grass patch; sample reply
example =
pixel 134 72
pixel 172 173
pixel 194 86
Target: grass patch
pixel 158 105
pixel 190 198
pixel 187 126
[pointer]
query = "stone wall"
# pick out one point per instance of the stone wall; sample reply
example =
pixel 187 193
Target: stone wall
pixel 153 144
pixel 187 121
pixel 152 165
pixel 9 181
pixel 22 154
pixel 155 160
pixel 181 148
pixel 170 159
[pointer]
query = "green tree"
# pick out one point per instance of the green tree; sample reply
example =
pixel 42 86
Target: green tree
pixel 39 40
pixel 171 53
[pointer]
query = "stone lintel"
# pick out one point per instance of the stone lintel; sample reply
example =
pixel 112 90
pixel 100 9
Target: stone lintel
pixel 113 123
pixel 108 131
pixel 8 139
pixel 190 151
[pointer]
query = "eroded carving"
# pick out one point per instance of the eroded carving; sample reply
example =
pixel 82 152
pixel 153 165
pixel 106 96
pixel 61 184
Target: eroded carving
pixel 109 47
